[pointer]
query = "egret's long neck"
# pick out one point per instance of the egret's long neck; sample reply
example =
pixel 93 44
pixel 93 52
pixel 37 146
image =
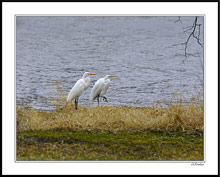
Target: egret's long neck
pixel 87 82
pixel 106 77
pixel 84 76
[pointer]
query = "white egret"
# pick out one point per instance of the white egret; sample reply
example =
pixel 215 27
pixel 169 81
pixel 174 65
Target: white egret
pixel 80 86
pixel 100 88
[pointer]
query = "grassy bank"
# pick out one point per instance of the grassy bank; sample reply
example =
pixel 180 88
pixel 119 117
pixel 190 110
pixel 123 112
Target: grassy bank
pixel 104 145
pixel 110 133
pixel 113 118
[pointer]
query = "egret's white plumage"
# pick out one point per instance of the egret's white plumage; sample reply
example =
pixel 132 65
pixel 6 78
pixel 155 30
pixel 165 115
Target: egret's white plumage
pixel 80 86
pixel 100 88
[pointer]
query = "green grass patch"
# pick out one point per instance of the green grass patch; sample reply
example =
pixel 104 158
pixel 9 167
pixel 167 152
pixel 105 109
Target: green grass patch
pixel 58 144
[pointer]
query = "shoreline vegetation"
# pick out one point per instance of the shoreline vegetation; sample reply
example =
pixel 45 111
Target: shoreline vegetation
pixel 187 118
pixel 110 133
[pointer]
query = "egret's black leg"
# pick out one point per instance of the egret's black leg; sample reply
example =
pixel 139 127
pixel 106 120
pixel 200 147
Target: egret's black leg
pixel 104 98
pixel 76 103
pixel 98 100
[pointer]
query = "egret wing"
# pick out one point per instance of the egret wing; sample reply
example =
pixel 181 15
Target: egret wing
pixel 105 87
pixel 97 89
pixel 76 91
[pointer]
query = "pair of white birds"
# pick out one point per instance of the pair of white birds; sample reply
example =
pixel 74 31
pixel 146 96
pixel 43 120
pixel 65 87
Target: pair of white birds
pixel 98 90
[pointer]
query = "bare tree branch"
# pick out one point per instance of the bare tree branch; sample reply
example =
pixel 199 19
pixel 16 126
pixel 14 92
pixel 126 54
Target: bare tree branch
pixel 193 30
pixel 179 20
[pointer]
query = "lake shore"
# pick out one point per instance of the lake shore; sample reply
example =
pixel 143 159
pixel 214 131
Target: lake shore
pixel 110 133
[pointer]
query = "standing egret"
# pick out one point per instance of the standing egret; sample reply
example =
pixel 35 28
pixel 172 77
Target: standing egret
pixel 100 88
pixel 80 86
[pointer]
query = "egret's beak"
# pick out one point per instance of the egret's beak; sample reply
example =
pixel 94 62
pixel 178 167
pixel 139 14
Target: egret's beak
pixel 113 76
pixel 91 74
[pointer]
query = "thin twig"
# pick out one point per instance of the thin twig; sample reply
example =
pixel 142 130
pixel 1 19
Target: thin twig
pixel 178 20
pixel 193 28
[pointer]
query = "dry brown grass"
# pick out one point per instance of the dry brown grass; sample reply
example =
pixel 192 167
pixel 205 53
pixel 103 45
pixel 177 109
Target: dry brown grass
pixel 178 115
pixel 113 118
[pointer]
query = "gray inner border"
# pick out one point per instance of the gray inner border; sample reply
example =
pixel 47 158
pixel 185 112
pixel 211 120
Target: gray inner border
pixel 118 161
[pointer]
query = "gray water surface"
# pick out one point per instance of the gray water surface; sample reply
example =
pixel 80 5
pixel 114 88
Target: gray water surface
pixel 140 50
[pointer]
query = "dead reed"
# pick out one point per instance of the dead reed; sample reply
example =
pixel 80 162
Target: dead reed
pixel 113 118
pixel 178 115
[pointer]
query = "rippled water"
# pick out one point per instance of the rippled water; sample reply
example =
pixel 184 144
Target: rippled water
pixel 140 50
